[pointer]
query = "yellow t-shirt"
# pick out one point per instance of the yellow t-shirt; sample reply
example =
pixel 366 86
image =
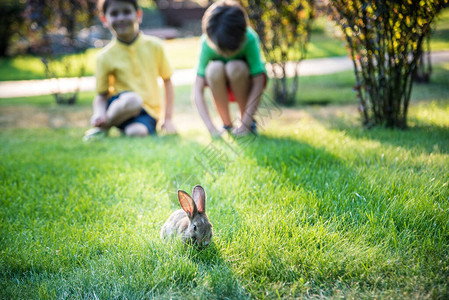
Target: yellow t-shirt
pixel 135 67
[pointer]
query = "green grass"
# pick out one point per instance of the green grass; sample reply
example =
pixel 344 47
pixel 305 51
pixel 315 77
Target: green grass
pixel 338 88
pixel 440 37
pixel 315 207
pixel 84 99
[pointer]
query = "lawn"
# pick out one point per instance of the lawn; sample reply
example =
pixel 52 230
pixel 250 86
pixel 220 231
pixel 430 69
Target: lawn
pixel 314 207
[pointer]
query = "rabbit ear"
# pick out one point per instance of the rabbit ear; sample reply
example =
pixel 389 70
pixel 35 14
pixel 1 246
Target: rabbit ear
pixel 199 195
pixel 187 203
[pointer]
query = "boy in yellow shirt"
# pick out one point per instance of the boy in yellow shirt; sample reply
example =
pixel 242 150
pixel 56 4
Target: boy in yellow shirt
pixel 126 76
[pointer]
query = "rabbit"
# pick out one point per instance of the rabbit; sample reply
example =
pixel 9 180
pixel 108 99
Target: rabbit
pixel 190 223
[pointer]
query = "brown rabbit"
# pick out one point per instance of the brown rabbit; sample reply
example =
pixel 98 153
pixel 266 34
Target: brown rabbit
pixel 190 222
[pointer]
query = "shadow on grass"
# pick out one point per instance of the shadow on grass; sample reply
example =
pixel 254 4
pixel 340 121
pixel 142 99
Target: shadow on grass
pixel 311 188
pixel 300 165
pixel 417 139
pixel 337 187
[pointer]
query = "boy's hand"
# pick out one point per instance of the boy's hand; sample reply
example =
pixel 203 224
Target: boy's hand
pixel 169 127
pixel 215 133
pixel 98 120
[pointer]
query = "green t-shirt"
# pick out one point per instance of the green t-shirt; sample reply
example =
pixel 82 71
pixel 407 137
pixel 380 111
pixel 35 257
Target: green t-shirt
pixel 250 53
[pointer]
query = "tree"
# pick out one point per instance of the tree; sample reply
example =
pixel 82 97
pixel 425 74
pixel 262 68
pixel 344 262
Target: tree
pixel 385 39
pixel 424 64
pixel 53 28
pixel 10 21
pixel 284 28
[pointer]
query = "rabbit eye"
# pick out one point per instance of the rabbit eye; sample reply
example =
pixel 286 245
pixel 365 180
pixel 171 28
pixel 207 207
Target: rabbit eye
pixel 194 227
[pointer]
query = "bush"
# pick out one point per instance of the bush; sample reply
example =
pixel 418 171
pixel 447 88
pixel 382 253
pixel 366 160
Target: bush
pixel 11 21
pixel 385 39
pixel 284 29
pixel 53 28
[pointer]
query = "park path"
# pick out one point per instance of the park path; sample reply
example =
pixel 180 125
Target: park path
pixel 319 66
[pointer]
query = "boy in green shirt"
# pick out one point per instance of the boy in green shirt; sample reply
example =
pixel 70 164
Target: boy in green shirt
pixel 231 65
pixel 126 76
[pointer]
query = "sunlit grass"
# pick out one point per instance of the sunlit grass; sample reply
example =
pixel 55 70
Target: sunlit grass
pixel 21 68
pixel 183 53
pixel 439 38
pixel 434 114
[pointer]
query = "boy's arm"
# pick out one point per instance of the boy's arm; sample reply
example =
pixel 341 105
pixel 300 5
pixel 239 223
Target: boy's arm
pixel 168 125
pixel 99 107
pixel 200 103
pixel 255 93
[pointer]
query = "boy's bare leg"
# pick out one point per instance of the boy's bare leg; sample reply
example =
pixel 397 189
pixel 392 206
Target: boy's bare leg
pixel 128 105
pixel 237 73
pixel 216 79
pixel 136 129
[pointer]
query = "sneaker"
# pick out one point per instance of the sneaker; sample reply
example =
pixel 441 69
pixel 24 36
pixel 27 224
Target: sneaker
pixel 254 127
pixel 94 133
pixel 228 128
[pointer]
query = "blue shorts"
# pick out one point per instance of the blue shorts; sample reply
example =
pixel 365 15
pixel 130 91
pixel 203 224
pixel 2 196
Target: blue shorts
pixel 143 117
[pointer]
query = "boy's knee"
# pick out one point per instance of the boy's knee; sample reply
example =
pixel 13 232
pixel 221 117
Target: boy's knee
pixel 215 71
pixel 136 129
pixel 133 101
pixel 237 70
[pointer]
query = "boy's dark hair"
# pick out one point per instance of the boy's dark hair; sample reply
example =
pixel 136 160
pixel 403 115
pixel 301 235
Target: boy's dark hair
pixel 104 4
pixel 225 24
